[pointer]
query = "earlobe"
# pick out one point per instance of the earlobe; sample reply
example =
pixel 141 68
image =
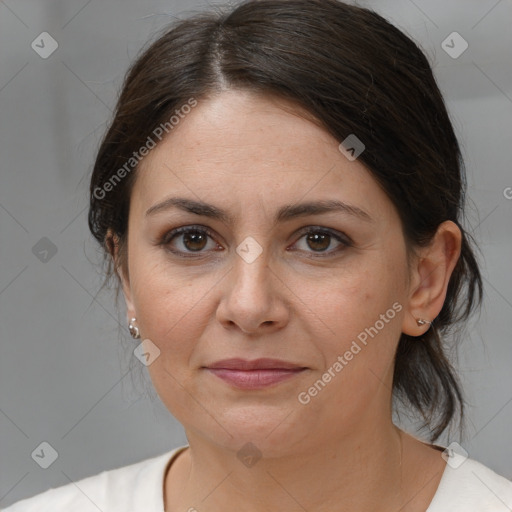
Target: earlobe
pixel 431 275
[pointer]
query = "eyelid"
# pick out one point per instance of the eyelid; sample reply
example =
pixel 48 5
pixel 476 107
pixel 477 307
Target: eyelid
pixel 169 235
pixel 339 235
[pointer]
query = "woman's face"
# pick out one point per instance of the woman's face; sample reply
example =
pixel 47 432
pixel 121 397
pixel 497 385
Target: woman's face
pixel 254 284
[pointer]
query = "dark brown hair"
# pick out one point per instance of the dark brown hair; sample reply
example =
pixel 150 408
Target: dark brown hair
pixel 355 73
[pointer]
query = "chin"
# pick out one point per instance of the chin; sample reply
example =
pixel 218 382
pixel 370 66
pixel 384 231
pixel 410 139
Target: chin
pixel 272 430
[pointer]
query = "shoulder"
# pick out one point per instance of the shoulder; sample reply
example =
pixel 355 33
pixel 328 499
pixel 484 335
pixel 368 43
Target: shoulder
pixel 468 485
pixel 122 488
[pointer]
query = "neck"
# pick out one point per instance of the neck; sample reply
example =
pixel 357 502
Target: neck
pixel 360 471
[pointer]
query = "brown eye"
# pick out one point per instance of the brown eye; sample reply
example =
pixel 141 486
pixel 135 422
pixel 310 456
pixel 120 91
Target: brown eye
pixel 319 241
pixel 188 240
pixel 194 241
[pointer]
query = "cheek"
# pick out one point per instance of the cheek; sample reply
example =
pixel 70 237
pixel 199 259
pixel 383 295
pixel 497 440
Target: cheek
pixel 355 300
pixel 170 306
pixel 171 310
pixel 363 313
pixel 358 358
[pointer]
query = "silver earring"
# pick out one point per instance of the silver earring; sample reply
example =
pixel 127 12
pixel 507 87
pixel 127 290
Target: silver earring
pixel 134 330
pixel 421 321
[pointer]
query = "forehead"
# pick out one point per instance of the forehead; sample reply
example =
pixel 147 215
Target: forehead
pixel 243 148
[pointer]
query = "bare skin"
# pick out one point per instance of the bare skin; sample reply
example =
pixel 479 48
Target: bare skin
pixel 300 300
pixel 421 472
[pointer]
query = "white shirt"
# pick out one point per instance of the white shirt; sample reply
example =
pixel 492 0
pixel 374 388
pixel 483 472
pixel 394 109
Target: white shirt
pixel 466 486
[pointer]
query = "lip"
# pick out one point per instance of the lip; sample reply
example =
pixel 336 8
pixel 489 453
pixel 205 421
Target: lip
pixel 255 374
pixel 263 363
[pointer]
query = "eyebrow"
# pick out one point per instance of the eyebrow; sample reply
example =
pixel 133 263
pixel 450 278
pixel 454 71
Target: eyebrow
pixel 286 212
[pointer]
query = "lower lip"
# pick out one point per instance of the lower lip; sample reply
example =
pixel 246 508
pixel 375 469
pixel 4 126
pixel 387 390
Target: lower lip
pixel 254 379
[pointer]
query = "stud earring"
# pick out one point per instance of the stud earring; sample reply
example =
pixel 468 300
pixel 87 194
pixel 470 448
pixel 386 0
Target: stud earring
pixel 421 321
pixel 134 330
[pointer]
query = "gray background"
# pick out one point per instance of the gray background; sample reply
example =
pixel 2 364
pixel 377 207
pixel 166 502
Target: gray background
pixel 65 353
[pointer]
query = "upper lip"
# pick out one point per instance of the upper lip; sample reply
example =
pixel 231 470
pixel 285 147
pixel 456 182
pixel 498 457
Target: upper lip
pixel 255 364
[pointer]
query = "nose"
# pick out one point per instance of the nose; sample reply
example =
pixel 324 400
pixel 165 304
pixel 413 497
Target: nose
pixel 253 298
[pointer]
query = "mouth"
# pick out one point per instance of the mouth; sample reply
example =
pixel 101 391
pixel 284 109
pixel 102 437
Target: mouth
pixel 256 374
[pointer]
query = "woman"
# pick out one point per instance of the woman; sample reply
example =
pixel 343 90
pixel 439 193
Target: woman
pixel 280 195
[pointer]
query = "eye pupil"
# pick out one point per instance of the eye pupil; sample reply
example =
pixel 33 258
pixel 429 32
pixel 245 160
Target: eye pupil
pixel 194 238
pixel 322 238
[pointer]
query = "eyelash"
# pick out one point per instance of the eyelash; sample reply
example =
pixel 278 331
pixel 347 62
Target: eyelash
pixel 171 235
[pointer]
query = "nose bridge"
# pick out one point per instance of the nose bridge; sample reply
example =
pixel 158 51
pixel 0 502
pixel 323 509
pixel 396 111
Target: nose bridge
pixel 251 266
pixel 252 297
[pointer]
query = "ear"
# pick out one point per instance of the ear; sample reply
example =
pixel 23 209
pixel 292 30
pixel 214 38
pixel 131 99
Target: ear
pixel 430 275
pixel 113 246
